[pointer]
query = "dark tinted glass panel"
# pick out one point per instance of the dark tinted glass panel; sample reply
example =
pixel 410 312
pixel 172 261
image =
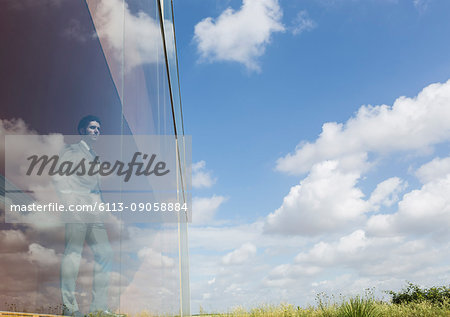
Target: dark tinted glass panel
pixel 60 61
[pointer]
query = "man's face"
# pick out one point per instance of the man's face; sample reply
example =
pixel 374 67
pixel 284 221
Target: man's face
pixel 92 131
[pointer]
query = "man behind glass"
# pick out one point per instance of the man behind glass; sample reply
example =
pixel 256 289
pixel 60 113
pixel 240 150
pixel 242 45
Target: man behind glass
pixel 84 190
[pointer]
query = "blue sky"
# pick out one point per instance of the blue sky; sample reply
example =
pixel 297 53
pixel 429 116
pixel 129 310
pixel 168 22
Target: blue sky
pixel 278 220
pixel 359 53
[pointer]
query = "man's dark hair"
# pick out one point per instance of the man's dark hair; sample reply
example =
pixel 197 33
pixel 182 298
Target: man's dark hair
pixel 84 122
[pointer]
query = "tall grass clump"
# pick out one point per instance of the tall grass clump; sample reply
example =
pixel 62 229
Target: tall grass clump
pixel 359 307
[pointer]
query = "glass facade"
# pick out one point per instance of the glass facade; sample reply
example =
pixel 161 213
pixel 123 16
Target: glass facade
pixel 62 60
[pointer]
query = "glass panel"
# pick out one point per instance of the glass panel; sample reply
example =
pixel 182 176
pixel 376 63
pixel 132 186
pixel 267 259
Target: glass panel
pixel 66 60
pixel 169 32
pixel 166 11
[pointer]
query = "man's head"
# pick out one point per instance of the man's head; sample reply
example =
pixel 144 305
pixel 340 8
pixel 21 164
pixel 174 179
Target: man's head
pixel 89 126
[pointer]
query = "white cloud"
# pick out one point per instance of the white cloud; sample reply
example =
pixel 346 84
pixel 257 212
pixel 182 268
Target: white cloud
pixel 239 36
pixel 329 198
pixel 421 211
pixel 324 254
pixel 326 200
pixel 374 260
pixel 345 242
pixel 201 177
pixel 421 5
pixel 348 263
pixel 348 249
pixel 410 124
pixel 222 238
pixel 437 168
pixel 286 275
pixel 240 255
pixel 302 23
pixel 386 193
pixel 204 208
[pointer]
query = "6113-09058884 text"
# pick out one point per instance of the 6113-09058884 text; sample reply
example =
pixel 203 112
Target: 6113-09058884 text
pixel 101 207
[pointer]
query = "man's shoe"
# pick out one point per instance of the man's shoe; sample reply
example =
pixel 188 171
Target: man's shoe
pixel 73 314
pixel 107 313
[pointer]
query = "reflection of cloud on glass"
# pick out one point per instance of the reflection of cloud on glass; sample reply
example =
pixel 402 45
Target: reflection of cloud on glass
pixel 21 143
pixel 26 4
pixel 149 290
pixel 32 267
pixel 14 126
pixel 148 282
pixel 20 268
pixel 23 147
pixel 139 33
pixel 75 31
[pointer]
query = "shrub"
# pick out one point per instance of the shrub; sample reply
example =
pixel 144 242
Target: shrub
pixel 414 294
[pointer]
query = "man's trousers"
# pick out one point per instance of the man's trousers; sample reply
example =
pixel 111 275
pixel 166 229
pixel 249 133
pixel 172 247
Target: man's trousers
pixel 96 237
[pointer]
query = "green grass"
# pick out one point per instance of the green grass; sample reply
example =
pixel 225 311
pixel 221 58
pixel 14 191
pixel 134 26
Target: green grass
pixel 353 307
pixel 412 301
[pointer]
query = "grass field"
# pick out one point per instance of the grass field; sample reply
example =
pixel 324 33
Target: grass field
pixel 412 301
pixel 354 307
